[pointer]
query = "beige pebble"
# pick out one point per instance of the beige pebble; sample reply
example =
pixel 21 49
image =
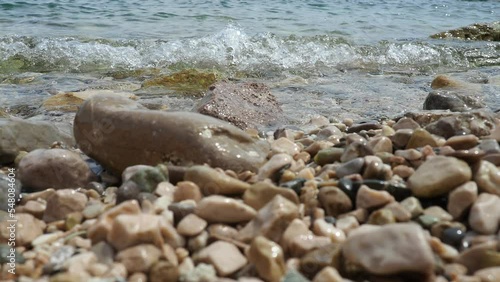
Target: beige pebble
pixel 401 137
pixel 274 164
pixel 224 256
pixel 35 208
pixel 462 142
pixel 98 269
pixel 484 216
pixel 99 230
pixel 406 123
pixel 479 256
pixel 220 209
pixel 80 262
pixel 187 190
pixel 366 247
pixel 490 274
pixel 260 193
pixel 138 277
pixel 271 220
pixel 403 171
pixel 284 146
pixel 295 229
pixel 334 201
pixel 132 229
pixel 381 217
pixel 401 214
pixel 24 231
pixel 212 181
pixel 191 225
pixel 439 213
pixel 487 178
pixel 139 258
pixel 323 228
pixel 302 244
pixel 117 269
pixel 380 144
pixel 439 175
pixel 328 274
pixel 347 223
pixel 198 242
pixel 268 259
pixel 413 205
pixel 222 231
pixel 46 239
pixel 36 196
pixel 370 199
pixel 163 271
pixel 63 202
pixel 462 198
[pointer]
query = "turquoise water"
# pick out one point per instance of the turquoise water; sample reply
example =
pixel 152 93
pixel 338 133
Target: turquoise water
pixel 363 59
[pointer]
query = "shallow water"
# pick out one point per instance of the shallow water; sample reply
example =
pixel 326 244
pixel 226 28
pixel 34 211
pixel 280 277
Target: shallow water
pixel 358 59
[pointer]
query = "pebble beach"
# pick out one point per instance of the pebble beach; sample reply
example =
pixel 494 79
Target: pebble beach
pixel 291 142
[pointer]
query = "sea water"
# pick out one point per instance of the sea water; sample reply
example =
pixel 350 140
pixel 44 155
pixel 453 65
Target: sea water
pixel 353 58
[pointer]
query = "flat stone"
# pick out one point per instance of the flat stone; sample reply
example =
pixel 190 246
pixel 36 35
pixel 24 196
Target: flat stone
pixel 212 181
pixel 187 190
pixel 54 168
pixel 484 216
pixel 366 246
pixel 224 256
pixel 27 228
pixel 139 258
pixel 70 101
pixel 220 209
pixel 103 124
pixel 462 142
pixel 246 105
pixel 462 198
pixel 351 167
pixel 370 199
pixel 487 178
pixel 453 100
pixel 268 259
pixel 439 213
pixel 260 193
pixel 439 175
pixel 62 203
pixel 25 135
pixel 191 225
pixel 295 229
pixel 271 220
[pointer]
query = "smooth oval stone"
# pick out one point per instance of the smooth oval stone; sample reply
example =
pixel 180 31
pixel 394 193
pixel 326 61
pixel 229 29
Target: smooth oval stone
pixel 260 193
pixel 118 133
pixel 406 123
pixel 380 144
pixel 212 181
pixel 54 168
pixel 462 142
pixel 328 155
pixel 221 209
pixel 351 167
pixel 439 175
pixel 462 198
pixel 453 236
pixel 421 138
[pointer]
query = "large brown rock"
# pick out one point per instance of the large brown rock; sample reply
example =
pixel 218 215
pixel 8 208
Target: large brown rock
pixel 118 133
pixel 23 135
pixel 246 105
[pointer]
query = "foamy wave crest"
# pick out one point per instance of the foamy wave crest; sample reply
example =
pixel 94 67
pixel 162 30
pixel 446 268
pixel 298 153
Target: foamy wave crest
pixel 233 48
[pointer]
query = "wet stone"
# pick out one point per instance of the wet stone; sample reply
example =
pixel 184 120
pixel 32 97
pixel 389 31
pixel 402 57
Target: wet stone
pixel 62 203
pixel 462 198
pixel 427 220
pixel 368 198
pixel 351 167
pixel 487 178
pixel 334 201
pixel 224 210
pixel 295 184
pixel 453 236
pixel 484 216
pixel 462 142
pixel 225 257
pixel 355 150
pixel 369 125
pixel 268 259
pixel 406 123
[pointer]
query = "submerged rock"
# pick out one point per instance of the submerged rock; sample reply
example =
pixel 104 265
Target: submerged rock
pixel 118 133
pixel 477 31
pixel 246 105
pixel 21 135
pixel 69 102
pixel 189 81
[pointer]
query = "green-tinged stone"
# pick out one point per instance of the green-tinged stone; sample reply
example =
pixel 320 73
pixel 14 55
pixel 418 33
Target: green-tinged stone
pixel 427 220
pixel 381 217
pixel 190 81
pixel 295 184
pixel 11 65
pixel 328 156
pixel 490 259
pixel 477 31
pixel 148 178
pixel 5 253
pixel 137 73
pixel 73 219
pixel 294 276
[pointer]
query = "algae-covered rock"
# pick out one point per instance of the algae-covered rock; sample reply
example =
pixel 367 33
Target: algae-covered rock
pixel 69 102
pixel 477 31
pixel 189 81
